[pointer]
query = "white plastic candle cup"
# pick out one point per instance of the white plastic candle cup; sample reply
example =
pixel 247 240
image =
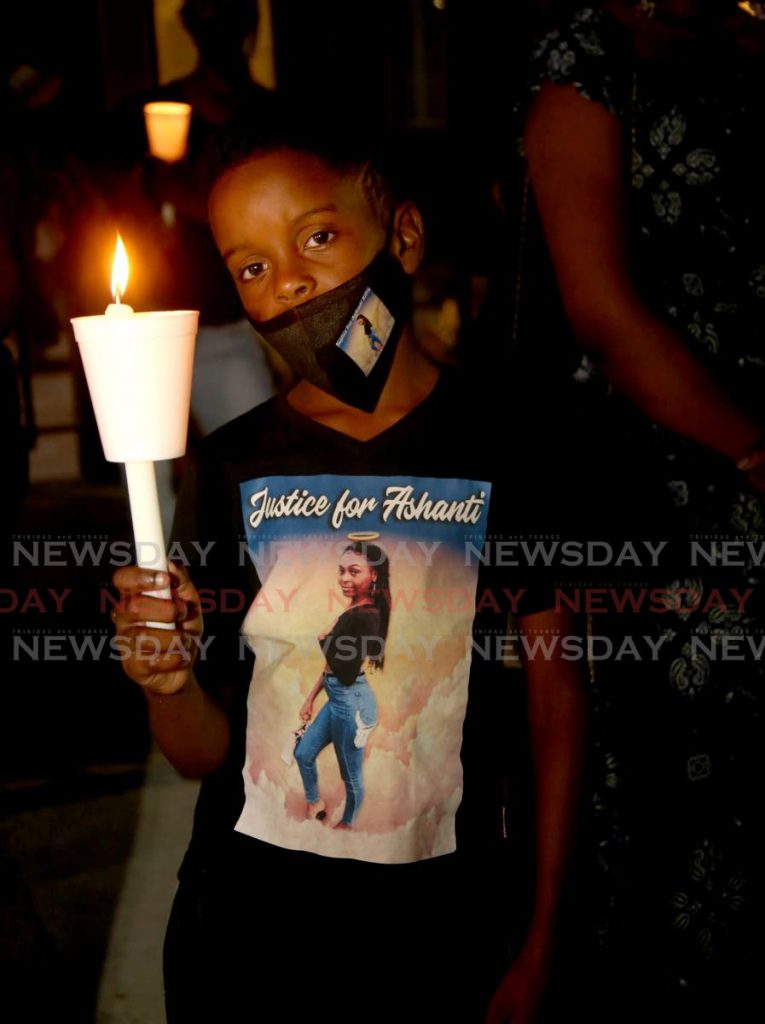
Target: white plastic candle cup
pixel 138 370
pixel 167 129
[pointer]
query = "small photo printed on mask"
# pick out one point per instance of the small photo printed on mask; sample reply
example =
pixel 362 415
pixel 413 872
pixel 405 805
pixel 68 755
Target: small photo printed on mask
pixel 367 331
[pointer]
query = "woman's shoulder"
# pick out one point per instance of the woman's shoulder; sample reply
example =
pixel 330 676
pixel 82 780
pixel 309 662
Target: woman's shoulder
pixel 591 50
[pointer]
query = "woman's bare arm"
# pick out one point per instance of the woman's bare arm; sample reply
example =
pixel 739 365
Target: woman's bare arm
pixel 576 158
pixel 306 712
pixel 557 704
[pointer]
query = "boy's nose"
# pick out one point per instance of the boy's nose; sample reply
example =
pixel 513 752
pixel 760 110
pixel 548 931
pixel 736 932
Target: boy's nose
pixel 293 286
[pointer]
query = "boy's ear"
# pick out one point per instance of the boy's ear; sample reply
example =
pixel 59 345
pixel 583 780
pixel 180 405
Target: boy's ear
pixel 407 239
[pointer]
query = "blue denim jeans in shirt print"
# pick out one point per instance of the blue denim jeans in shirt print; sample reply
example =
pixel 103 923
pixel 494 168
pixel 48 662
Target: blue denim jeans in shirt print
pixel 346 721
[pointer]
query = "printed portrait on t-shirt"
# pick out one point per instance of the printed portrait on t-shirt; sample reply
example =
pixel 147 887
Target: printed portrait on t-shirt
pixel 367 602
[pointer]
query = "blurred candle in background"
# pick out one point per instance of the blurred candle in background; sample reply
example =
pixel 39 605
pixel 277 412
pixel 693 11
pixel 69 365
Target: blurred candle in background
pixel 167 129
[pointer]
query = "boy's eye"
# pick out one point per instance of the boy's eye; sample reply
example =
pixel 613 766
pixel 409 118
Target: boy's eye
pixel 319 239
pixel 252 271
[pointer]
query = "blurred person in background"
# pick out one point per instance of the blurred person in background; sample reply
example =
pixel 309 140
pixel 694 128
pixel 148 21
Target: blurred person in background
pixel 644 167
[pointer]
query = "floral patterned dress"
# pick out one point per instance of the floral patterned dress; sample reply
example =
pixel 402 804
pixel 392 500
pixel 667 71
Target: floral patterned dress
pixel 677 794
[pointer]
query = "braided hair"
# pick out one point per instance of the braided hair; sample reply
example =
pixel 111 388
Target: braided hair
pixel 380 591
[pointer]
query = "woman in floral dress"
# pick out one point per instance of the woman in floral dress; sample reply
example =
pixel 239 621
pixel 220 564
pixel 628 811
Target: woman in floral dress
pixel 646 167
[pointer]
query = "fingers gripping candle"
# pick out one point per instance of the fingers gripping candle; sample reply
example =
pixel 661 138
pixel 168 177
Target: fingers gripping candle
pixel 138 367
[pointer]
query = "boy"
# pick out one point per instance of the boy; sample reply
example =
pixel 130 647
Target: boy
pixel 404 912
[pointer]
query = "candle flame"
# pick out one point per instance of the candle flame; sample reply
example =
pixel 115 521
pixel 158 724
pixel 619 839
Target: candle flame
pixel 119 270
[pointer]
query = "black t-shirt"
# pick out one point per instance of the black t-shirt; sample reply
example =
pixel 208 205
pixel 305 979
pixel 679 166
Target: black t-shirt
pixel 278 495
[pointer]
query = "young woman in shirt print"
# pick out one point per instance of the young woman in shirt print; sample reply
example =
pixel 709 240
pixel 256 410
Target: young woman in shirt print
pixel 350 714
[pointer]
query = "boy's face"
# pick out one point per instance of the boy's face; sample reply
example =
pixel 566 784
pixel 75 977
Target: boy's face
pixel 291 228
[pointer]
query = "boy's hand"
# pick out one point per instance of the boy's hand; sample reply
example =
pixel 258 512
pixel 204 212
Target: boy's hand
pixel 160 660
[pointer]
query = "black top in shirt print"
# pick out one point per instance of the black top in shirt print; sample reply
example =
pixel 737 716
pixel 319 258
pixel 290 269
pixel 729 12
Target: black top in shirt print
pixel 353 638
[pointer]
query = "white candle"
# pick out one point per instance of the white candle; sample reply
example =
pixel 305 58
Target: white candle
pixel 141 476
pixel 118 310
pixel 138 367
pixel 147 519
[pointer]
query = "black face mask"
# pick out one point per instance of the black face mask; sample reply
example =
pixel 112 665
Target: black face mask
pixel 344 340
